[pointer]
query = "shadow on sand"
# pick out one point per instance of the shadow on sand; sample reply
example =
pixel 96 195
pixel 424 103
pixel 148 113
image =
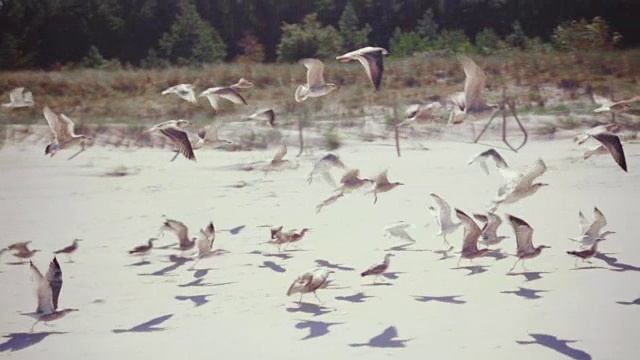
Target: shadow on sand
pixel 530 275
pixel 20 341
pixel 404 247
pixel 385 340
pixel 148 326
pixel 283 256
pixel 634 302
pixel 273 266
pixel 530 294
pixel 309 308
pixel 473 269
pixel 614 263
pixel 558 345
pixel 316 328
pixel 355 298
pixel 198 300
pixel 325 263
pixel 445 299
pixel 177 262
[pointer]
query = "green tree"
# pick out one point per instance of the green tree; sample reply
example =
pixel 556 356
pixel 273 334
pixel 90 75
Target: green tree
pixel 93 59
pixel 353 36
pixel 487 41
pixel 309 39
pixel 517 38
pixel 191 39
pixel 427 26
pixel 406 43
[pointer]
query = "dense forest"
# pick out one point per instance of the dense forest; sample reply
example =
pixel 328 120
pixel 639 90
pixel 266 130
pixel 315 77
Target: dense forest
pixel 50 33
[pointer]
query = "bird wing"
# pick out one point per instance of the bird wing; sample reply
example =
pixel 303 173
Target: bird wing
pixel 16 95
pixel 301 284
pixel 601 100
pixel 633 100
pixel 382 178
pixel 315 69
pixel 59 128
pixel 181 140
pixel 458 99
pixel 493 223
pixel 318 279
pixel 481 218
pixel 350 176
pixel 231 95
pixel 482 160
pixel 599 221
pixel 43 291
pixel 584 224
pixel 524 234
pixel 203 243
pixel 538 169
pixel 265 114
pixel 373 66
pixel 54 278
pixel 178 228
pixel 444 211
pixel 282 151
pixel 613 145
pixel 213 100
pixel 471 231
pixel 473 84
pixel 28 97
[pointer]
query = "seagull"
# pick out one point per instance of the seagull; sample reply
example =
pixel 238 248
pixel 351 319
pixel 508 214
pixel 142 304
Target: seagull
pixel 315 86
pixel 489 230
pixel 278 161
pixel 615 107
pixel 519 185
pixel 470 241
pixel 398 230
pixel 382 184
pixel 215 93
pixel 288 237
pixel 181 231
pixel 524 234
pixel 612 143
pixel 586 254
pixel 48 292
pixel 19 99
pixel 371 59
pixel 473 101
pixel 184 91
pixel 598 129
pixel 64 135
pixel 443 218
pixel 24 253
pixel 378 269
pixel 323 166
pixel 19 246
pixel 69 249
pixel 174 131
pixel 591 232
pixel 309 281
pixel 420 111
pixel 242 84
pixel 274 231
pixel 205 244
pixel 265 114
pixel 482 160
pixel 351 181
pixel 328 201
pixel 143 250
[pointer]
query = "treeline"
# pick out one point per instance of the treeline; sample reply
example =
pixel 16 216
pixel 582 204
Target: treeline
pixel 51 33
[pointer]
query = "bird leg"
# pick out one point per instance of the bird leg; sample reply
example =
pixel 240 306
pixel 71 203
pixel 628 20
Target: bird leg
pixel 175 156
pixel 375 197
pixel 76 154
pixel 514 265
pixel 446 242
pixel 524 267
pixel 34 325
pixel 316 295
pixel 300 301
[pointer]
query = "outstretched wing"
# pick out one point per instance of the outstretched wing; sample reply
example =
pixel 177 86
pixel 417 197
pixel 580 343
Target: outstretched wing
pixel 179 229
pixel 613 145
pixel 524 234
pixel 471 232
pixel 43 291
pixel 282 151
pixel 315 70
pixel 181 140
pixel 59 128
pixel 473 84
pixel 54 277
pixel 231 95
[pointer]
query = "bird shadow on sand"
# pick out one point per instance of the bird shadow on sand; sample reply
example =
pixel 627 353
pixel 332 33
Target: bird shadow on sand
pixel 392 275
pixel 177 262
pixel 355 298
pixel 147 326
pixel 634 302
pixel 283 256
pixel 273 266
pixel 199 282
pixel 17 262
pixel 445 254
pixel 529 275
pixel 530 294
pixel 473 269
pixel 236 230
pixel 198 300
pixel 21 341
pixel 558 345
pixel 385 340
pixel 614 263
pixel 405 247
pixel 316 328
pixel 444 299
pixel 140 263
pixel 496 254
pixel 309 308
pixel 325 263
pixel 200 273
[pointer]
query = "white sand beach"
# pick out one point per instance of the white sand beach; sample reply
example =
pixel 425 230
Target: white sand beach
pixel 234 306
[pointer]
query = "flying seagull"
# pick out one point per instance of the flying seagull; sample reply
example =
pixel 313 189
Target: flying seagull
pixel 489 230
pixel 443 218
pixel 519 185
pixel 323 166
pixel 205 244
pixel 315 86
pixel 242 84
pixel 182 233
pixel 615 107
pixel 48 292
pixel 63 132
pixel 473 102
pixel 470 240
pixel 69 249
pixel 351 180
pixel 482 157
pixel 590 232
pixel 216 93
pixel 184 91
pixel 612 143
pixel 265 114
pixel 174 131
pixel 524 235
pixel 371 59
pixel 19 98
pixel 382 184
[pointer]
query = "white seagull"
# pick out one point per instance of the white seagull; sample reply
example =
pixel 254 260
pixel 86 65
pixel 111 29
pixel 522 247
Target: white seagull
pixel 443 218
pixel 323 167
pixel 482 157
pixel 489 230
pixel 309 281
pixel 371 59
pixel 64 135
pixel 590 232
pixel 615 107
pixel 19 98
pixel 205 240
pixel 215 93
pixel 473 102
pixel 315 86
pixel 184 91
pixel 519 185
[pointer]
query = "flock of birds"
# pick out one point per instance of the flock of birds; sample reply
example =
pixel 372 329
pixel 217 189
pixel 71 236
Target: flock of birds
pixel 517 186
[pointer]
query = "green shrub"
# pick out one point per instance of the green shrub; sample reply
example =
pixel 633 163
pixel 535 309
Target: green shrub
pixel 487 41
pixel 582 35
pixel 353 36
pixel 454 41
pixel 93 59
pixel 404 44
pixel 308 39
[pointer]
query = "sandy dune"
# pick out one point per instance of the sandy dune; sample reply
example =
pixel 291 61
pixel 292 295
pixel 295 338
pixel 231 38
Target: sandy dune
pixel 234 306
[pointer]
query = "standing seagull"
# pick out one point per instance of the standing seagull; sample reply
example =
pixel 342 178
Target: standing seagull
pixel 524 234
pixel 382 184
pixel 586 254
pixel 216 93
pixel 591 232
pixel 309 281
pixel 378 269
pixel 482 160
pixel 519 185
pixel 143 250
pixel 471 235
pixel 315 86
pixel 612 143
pixel 64 135
pixel 265 114
pixel 48 292
pixel 443 218
pixel 184 91
pixel 19 99
pixel 490 228
pixel 174 131
pixel 69 249
pixel 473 102
pixel 371 59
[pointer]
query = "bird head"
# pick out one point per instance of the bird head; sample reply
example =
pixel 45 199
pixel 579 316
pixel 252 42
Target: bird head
pixel 398 183
pixel 544 247
pixel 51 149
pixel 333 86
pixel 183 123
pixel 537 186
